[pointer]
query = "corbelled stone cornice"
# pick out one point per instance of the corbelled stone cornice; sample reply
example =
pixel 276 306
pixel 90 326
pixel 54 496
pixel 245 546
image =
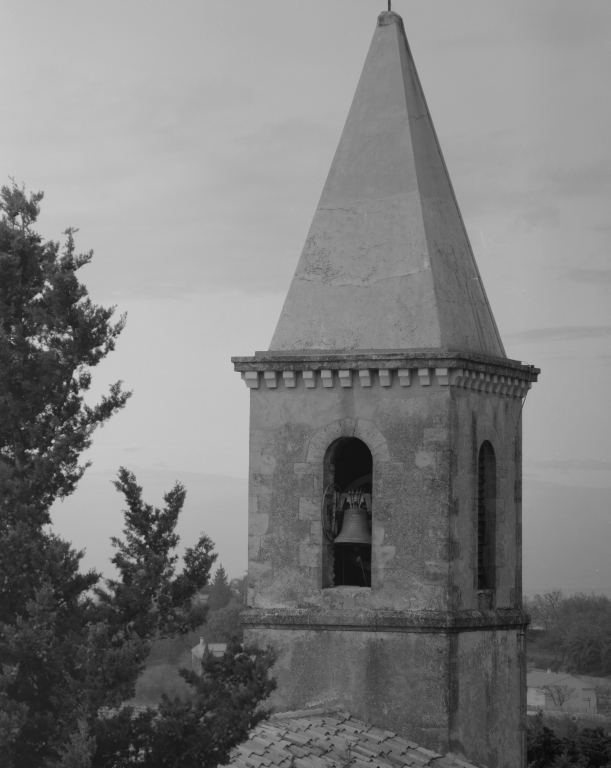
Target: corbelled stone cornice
pixel 398 367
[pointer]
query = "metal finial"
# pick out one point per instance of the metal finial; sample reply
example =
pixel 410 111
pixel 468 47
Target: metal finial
pixel 389 5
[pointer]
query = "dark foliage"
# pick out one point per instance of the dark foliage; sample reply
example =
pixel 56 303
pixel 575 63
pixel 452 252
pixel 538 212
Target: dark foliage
pixel 220 590
pixel 72 647
pixel 544 746
pixel 224 625
pixel 239 587
pixel 577 631
pixel 586 748
pixel 64 660
pixel 201 729
pixel 51 335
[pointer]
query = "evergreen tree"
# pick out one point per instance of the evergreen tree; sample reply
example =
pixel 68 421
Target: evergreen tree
pixel 220 591
pixel 239 587
pixel 577 628
pixel 72 647
pixel 544 746
pixel 586 748
pixel 225 625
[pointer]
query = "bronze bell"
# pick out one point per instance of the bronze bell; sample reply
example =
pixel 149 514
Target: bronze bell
pixel 354 528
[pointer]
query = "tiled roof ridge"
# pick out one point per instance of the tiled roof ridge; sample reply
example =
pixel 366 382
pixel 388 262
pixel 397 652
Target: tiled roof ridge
pixel 310 713
pixel 329 737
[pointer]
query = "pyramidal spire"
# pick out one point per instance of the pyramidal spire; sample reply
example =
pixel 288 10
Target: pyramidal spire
pixel 387 263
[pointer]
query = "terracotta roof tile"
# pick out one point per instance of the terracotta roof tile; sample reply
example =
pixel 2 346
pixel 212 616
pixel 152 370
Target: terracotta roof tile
pixel 392 758
pixel 283 753
pixel 332 738
pixel 428 752
pixel 320 730
pixel 403 759
pixel 401 742
pixel 301 722
pixel 359 762
pixel 377 735
pixel 258 761
pixel 297 738
pixel 362 749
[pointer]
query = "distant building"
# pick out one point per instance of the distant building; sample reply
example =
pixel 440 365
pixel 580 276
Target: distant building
pixel 197 653
pixel 554 692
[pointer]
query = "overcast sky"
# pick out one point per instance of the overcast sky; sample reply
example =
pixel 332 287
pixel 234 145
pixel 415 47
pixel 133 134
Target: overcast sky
pixel 190 140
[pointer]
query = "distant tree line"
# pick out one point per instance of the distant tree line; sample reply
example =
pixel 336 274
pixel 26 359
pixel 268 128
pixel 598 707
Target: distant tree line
pixel 575 628
pixel 548 748
pixel 226 601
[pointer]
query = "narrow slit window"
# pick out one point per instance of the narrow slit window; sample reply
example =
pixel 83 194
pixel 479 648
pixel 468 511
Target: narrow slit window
pixel 486 517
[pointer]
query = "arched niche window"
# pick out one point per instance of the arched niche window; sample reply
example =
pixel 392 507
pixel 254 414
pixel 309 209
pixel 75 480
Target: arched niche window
pixel 486 517
pixel 347 514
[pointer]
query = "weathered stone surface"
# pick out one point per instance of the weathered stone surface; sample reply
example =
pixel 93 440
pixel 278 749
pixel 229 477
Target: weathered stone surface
pixel 387 294
pixel 387 263
pixel 397 681
pixel 424 441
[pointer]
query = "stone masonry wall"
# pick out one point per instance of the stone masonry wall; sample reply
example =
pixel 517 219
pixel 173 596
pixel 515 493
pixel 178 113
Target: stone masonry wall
pixel 446 689
pixel 424 442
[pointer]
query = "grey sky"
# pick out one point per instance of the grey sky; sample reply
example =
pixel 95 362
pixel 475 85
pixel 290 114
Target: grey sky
pixel 189 141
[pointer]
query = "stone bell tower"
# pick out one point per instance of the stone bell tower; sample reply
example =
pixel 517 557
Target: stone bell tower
pixel 385 450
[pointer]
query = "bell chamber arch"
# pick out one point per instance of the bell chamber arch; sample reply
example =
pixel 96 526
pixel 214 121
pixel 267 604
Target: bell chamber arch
pixel 346 514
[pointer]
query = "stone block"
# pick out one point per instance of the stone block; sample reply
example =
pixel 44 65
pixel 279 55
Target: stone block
pixel 303 468
pixel 424 459
pixel 385 377
pixel 385 556
pixel 258 524
pixel 290 378
pixel 251 379
pixel 259 574
pixel 345 378
pixel 424 375
pixel 309 379
pixel 365 378
pixel 436 435
pixel 442 376
pixel 254 461
pixel 309 510
pixel 254 547
pixel 271 379
pixel 309 554
pixel 268 464
pixel 326 378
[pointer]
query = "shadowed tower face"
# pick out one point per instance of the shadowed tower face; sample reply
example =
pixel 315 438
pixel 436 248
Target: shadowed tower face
pixel 385 450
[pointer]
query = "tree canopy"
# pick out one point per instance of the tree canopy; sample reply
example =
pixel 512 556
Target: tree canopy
pixel 585 748
pixel 72 644
pixel 577 628
pixel 220 590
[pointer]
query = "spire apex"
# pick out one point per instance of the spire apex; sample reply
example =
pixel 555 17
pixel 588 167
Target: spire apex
pixel 389 17
pixel 387 263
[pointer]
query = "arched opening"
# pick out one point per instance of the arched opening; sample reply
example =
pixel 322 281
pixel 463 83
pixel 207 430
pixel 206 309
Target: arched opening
pixel 486 517
pixel 347 514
